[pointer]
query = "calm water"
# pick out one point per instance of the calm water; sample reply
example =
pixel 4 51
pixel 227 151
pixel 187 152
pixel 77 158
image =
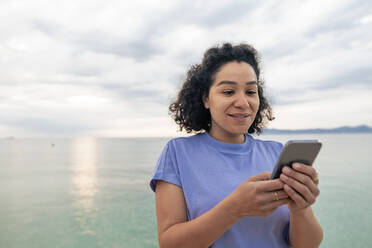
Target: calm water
pixel 95 193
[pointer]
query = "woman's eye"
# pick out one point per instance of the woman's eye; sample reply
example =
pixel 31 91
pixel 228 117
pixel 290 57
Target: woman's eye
pixel 251 92
pixel 228 92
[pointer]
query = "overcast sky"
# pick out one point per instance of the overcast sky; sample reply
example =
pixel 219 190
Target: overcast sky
pixel 111 68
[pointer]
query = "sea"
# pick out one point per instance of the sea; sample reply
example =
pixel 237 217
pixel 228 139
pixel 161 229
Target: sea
pixel 94 192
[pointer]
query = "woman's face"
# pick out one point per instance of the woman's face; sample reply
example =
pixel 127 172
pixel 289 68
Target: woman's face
pixel 233 101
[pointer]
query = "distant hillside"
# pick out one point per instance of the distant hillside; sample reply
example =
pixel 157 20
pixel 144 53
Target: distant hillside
pixel 344 129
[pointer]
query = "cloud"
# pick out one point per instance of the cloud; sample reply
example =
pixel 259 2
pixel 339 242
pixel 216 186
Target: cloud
pixel 44 126
pixel 357 78
pixel 348 106
pixel 46 27
pixel 354 81
pixel 137 93
pixel 100 42
pixel 209 14
pixel 100 68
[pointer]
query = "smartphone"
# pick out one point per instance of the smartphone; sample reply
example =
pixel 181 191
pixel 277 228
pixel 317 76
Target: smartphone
pixel 303 151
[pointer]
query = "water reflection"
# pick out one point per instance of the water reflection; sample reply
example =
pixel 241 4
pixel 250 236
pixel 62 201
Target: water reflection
pixel 84 161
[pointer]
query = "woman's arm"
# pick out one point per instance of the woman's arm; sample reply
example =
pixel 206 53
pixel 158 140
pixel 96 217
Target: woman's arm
pixel 253 197
pixel 301 186
pixel 304 229
pixel 173 228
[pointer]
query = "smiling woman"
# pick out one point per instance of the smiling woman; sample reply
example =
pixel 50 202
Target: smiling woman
pixel 232 101
pixel 189 111
pixel 213 189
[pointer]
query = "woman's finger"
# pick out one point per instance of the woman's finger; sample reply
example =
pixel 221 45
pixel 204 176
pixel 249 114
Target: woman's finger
pixel 297 198
pixel 306 169
pixel 302 189
pixel 303 178
pixel 275 195
pixel 275 204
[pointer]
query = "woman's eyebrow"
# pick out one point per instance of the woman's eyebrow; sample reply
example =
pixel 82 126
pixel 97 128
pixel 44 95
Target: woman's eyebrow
pixel 234 83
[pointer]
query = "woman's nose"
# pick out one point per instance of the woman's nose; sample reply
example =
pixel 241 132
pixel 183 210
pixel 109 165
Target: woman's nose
pixel 241 101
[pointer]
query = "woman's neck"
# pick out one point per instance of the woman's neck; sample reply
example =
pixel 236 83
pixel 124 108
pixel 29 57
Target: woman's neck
pixel 233 139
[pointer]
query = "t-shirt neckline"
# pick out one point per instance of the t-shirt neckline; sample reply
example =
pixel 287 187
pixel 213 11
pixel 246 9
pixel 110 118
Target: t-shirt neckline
pixel 229 147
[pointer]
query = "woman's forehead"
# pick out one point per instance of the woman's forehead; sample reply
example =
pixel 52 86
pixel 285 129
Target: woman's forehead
pixel 240 72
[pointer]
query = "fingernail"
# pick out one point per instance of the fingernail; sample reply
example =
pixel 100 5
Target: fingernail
pixel 286 169
pixel 296 166
pixel 286 186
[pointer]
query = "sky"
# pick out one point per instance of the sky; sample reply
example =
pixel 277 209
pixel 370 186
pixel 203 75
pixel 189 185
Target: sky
pixel 111 68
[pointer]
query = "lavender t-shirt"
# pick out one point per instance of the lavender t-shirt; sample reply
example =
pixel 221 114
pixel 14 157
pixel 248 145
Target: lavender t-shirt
pixel 208 170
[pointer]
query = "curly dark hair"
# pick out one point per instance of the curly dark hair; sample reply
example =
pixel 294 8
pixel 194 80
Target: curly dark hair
pixel 188 109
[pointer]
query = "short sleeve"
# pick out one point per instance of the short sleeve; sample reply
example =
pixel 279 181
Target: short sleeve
pixel 166 168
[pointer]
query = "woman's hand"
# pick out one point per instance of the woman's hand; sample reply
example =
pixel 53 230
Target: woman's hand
pixel 259 196
pixel 301 185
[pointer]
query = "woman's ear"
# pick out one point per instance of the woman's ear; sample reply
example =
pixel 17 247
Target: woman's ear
pixel 206 102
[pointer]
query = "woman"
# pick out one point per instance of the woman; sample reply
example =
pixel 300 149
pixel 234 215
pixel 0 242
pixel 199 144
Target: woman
pixel 213 189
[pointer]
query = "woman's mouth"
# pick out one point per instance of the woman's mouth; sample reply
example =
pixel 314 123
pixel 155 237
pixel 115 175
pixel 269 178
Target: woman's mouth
pixel 239 117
